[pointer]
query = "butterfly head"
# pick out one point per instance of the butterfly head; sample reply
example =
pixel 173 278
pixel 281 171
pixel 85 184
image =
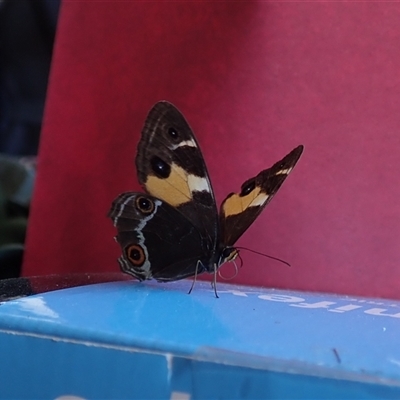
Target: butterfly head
pixel 227 254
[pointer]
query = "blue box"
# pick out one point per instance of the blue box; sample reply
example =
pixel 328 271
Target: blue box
pixel 129 340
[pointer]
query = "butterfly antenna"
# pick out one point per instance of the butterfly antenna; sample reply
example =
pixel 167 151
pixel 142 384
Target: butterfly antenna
pixel 265 255
pixel 195 276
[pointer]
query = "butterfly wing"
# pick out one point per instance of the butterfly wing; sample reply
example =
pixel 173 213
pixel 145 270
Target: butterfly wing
pixel 170 166
pixel 239 210
pixel 156 240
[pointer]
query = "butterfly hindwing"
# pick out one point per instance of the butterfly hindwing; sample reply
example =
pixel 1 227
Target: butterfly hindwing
pixel 170 166
pixel 239 210
pixel 157 241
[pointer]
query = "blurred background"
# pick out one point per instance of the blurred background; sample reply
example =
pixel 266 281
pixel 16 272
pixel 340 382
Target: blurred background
pixel 254 79
pixel 27 30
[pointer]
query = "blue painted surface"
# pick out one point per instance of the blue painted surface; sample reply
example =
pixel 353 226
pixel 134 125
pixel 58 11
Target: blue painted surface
pixel 316 337
pixel 36 368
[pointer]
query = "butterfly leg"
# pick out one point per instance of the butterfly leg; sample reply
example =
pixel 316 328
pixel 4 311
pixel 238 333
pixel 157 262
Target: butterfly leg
pixel 195 276
pixel 214 281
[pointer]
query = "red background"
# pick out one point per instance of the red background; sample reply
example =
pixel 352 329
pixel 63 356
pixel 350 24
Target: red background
pixel 254 80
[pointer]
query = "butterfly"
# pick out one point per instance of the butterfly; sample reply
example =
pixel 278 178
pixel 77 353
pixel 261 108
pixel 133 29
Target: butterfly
pixel 174 230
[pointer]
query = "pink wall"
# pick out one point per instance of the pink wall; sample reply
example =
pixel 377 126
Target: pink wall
pixel 254 80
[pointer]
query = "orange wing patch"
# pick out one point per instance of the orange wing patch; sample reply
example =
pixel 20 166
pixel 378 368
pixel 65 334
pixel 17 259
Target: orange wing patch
pixel 236 204
pixel 177 188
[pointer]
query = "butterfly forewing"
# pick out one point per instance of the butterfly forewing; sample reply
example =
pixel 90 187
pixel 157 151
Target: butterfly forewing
pixel 170 166
pixel 239 210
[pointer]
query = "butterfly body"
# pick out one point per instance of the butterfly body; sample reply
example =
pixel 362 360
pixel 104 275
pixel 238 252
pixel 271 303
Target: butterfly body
pixel 174 230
